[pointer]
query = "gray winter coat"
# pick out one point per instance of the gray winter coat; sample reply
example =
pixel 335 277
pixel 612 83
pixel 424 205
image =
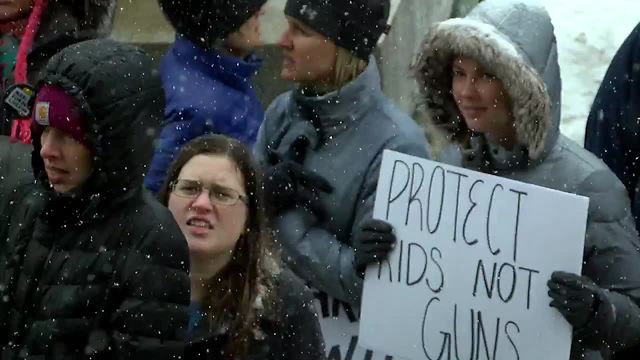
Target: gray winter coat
pixel 515 41
pixel 348 131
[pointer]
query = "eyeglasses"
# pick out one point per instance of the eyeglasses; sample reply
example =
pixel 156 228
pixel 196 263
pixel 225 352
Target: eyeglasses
pixel 218 194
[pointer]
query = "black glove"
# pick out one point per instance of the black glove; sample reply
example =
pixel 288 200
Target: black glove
pixel 288 184
pixel 372 243
pixel 577 297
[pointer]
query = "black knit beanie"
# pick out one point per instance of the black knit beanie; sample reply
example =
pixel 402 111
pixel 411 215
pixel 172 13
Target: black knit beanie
pixel 204 21
pixel 355 25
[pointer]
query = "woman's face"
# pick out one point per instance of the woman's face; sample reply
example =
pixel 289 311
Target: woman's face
pixel 248 36
pixel 309 58
pixel 14 9
pixel 66 161
pixel 211 229
pixel 480 97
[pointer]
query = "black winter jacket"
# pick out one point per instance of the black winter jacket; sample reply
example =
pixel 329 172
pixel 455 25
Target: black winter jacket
pixel 99 273
pixel 289 331
pixel 613 126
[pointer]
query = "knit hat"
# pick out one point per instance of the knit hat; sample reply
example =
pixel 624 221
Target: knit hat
pixel 355 25
pixel 56 108
pixel 204 21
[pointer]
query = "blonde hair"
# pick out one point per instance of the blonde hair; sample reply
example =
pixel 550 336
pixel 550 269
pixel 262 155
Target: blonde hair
pixel 348 67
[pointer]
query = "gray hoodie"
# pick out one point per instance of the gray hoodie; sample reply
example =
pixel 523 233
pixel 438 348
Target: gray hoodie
pixel 515 41
pixel 348 131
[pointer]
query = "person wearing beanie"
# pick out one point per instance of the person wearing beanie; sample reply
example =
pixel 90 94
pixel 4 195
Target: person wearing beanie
pixel 322 143
pixel 31 32
pixel 207 76
pixel 496 92
pixel 92 265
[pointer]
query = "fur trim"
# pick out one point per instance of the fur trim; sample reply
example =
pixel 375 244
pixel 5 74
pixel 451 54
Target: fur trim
pixel 531 105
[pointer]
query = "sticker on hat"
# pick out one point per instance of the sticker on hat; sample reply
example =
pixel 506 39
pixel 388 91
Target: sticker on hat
pixel 42 113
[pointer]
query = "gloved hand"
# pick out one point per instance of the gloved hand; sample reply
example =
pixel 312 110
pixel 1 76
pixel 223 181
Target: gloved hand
pixel 288 184
pixel 577 297
pixel 372 243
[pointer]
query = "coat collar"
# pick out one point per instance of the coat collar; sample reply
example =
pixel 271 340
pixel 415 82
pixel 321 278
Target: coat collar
pixel 335 112
pixel 230 70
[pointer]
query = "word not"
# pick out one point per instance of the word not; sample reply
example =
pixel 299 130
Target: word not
pixel 505 283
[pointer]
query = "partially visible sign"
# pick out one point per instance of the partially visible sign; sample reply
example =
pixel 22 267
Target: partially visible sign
pixel 340 326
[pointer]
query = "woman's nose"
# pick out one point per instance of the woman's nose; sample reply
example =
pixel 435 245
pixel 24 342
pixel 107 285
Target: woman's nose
pixel 469 88
pixel 48 148
pixel 285 40
pixel 202 202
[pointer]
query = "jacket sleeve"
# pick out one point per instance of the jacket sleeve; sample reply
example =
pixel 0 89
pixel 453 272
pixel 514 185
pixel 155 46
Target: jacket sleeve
pixel 185 126
pixel 316 255
pixel 151 320
pixel 612 126
pixel 612 260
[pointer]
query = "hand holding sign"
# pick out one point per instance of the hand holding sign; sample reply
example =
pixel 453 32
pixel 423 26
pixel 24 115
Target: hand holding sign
pixel 468 277
pixel 372 243
pixel 577 297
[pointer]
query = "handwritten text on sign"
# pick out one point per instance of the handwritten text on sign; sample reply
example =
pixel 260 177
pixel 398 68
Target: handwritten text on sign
pixel 339 322
pixel 467 279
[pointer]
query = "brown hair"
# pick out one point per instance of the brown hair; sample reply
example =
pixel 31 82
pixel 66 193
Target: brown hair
pixel 241 288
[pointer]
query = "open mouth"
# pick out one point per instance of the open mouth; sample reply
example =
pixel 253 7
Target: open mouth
pixel 200 223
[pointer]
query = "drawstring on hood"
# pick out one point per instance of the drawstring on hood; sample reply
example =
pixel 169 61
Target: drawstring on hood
pixel 21 128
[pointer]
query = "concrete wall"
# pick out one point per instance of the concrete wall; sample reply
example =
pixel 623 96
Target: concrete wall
pixel 141 22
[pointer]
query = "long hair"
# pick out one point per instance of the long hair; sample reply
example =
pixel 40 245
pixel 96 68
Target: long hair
pixel 243 289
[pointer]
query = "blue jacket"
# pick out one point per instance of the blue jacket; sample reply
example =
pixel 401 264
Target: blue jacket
pixel 205 92
pixel 613 126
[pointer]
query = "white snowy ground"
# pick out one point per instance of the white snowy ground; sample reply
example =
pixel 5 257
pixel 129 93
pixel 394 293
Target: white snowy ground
pixel 589 32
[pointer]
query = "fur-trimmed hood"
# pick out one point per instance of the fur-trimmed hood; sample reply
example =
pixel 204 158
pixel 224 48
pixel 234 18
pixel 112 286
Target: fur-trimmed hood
pixel 513 39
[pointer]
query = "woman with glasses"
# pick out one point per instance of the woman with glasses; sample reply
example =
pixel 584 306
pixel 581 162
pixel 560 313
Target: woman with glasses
pixel 244 305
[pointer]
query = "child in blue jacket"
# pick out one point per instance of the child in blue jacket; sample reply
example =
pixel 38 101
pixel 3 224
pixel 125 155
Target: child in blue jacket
pixel 206 76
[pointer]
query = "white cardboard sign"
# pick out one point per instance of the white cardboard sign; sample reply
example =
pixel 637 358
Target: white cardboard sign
pixel 340 326
pixel 467 279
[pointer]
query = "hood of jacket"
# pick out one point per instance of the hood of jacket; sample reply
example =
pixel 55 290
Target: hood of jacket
pixel 68 21
pixel 514 40
pixel 118 91
pixel 85 15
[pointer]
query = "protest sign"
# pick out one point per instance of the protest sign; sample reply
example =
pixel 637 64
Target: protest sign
pixel 340 326
pixel 467 279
